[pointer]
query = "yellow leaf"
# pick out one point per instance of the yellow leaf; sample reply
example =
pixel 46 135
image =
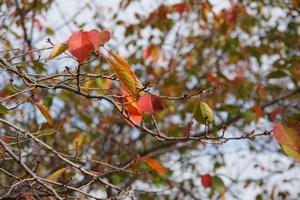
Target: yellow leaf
pixel 203 113
pixel 57 50
pixel 290 152
pixel 44 112
pixel 125 63
pixel 156 166
pixel 78 141
pixel 55 175
pixel 123 72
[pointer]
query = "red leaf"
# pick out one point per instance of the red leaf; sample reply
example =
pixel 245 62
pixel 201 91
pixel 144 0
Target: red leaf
pixel 180 7
pixel 276 112
pixel 82 43
pixel 37 23
pixel 98 38
pixel 206 180
pixel 150 104
pixel 147 52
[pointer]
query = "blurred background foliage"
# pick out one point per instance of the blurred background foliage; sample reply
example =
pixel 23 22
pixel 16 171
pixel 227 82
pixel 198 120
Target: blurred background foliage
pixel 249 49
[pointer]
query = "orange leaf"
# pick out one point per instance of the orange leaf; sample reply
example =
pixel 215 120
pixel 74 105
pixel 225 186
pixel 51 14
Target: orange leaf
pixel 155 54
pixel 129 104
pixel 287 136
pixel 133 114
pixel 150 104
pixel 44 112
pixel 156 166
pixel 123 72
pixel 259 112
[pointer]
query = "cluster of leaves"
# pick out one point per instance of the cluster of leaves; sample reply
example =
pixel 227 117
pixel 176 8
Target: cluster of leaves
pixel 201 72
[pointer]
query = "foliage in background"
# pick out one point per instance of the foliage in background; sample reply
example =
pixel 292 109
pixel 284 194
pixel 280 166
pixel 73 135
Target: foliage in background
pixel 122 109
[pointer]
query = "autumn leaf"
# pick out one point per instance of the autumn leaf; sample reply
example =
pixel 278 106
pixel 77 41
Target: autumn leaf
pixel 288 138
pixel 206 180
pixel 275 112
pixel 43 109
pixel 258 111
pixel 203 113
pixel 156 166
pixel 150 104
pixel 82 43
pixel 133 114
pixel 180 7
pixel 57 50
pixel 55 175
pixel 98 38
pixel 147 52
pixel 123 72
pixel 291 153
pixel 130 108
pixel 155 54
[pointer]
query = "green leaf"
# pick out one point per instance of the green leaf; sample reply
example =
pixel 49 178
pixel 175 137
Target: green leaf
pixel 203 113
pixel 277 74
pixel 3 110
pixel 38 66
pixel 249 115
pixel 218 184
